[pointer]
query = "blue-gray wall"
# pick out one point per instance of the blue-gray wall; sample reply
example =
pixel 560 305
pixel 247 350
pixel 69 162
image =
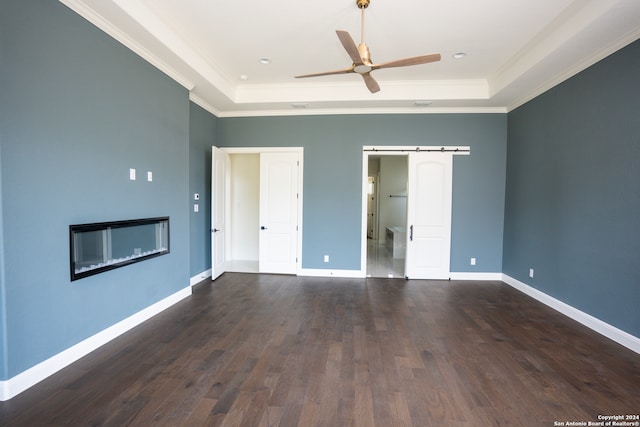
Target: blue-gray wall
pixel 332 211
pixel 78 110
pixel 573 191
pixel 202 133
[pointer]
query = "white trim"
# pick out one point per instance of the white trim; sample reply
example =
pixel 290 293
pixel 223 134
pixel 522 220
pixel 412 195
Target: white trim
pixel 203 104
pixel 318 272
pixel 258 150
pixel 19 383
pixel 603 328
pixel 476 276
pixel 575 69
pixel 199 277
pixel 311 111
pixel 96 19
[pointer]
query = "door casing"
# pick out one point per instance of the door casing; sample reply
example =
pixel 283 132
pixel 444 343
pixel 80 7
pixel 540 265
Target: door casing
pixel 259 150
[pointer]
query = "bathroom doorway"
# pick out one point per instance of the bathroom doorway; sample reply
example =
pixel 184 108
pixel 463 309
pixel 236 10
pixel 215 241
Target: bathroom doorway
pixel 386 215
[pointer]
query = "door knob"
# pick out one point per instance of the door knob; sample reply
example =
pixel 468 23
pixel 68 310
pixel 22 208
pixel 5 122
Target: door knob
pixel 263 227
pixel 215 230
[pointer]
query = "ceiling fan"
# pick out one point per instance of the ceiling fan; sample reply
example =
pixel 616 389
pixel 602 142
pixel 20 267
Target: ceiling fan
pixel 361 57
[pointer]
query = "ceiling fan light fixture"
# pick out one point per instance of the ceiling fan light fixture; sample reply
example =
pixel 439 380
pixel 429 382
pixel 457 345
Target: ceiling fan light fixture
pixel 362 68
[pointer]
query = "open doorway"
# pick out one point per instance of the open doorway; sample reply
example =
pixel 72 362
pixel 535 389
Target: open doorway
pixel 414 229
pixel 256 210
pixel 386 215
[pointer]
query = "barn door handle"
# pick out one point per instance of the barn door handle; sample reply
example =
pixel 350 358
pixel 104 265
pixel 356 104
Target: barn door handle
pixel 263 227
pixel 411 233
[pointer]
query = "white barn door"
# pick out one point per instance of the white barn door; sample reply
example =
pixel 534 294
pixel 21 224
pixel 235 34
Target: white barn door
pixel 278 245
pixel 429 193
pixel 219 186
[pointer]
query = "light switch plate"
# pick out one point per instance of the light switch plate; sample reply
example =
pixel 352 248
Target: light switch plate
pixel 132 174
pixel 149 176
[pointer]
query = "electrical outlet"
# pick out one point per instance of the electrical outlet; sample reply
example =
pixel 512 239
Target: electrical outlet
pixel 531 273
pixel 326 258
pixel 473 261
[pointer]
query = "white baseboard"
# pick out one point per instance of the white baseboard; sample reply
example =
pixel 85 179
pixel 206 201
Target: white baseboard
pixel 199 277
pixel 603 328
pixel 318 272
pixel 476 276
pixel 19 383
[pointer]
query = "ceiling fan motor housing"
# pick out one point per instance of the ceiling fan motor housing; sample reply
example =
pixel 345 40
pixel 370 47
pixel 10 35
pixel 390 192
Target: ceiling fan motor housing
pixel 362 4
pixel 365 54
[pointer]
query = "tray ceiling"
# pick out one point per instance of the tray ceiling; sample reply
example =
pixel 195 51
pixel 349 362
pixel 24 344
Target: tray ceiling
pixel 515 50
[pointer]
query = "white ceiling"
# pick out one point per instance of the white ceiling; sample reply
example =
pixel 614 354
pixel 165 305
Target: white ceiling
pixel 516 49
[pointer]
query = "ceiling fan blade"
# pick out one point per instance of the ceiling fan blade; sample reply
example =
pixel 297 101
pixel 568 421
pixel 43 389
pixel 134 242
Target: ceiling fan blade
pixel 350 46
pixel 327 73
pixel 416 60
pixel 371 83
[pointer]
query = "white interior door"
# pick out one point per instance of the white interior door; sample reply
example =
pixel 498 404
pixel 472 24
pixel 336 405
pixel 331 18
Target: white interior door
pixel 219 191
pixel 429 191
pixel 278 212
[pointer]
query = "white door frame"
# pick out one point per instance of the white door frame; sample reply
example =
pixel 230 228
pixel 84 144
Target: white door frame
pixel 258 150
pixel 390 150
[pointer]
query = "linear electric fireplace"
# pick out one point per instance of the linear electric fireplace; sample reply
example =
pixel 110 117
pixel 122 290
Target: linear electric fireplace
pixel 103 246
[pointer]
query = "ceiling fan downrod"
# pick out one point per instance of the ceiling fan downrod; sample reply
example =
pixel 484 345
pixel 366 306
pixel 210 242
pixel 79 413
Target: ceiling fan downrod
pixel 362 4
pixel 363 49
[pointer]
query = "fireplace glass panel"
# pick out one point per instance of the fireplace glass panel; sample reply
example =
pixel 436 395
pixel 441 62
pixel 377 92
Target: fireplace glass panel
pixel 104 246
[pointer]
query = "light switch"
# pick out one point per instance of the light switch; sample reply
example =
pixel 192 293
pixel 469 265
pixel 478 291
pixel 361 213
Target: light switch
pixel 149 176
pixel 196 207
pixel 132 174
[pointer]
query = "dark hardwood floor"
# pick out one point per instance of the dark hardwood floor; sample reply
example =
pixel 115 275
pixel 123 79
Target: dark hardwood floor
pixel 267 350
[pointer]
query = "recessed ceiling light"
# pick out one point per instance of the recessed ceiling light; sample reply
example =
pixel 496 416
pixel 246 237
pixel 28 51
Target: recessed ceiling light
pixel 264 61
pixel 244 77
pixel 421 103
pixel 459 55
pixel 300 105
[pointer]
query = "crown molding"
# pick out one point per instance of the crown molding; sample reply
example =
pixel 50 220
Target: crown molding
pixel 96 19
pixel 169 39
pixel 576 69
pixel 364 111
pixel 204 104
